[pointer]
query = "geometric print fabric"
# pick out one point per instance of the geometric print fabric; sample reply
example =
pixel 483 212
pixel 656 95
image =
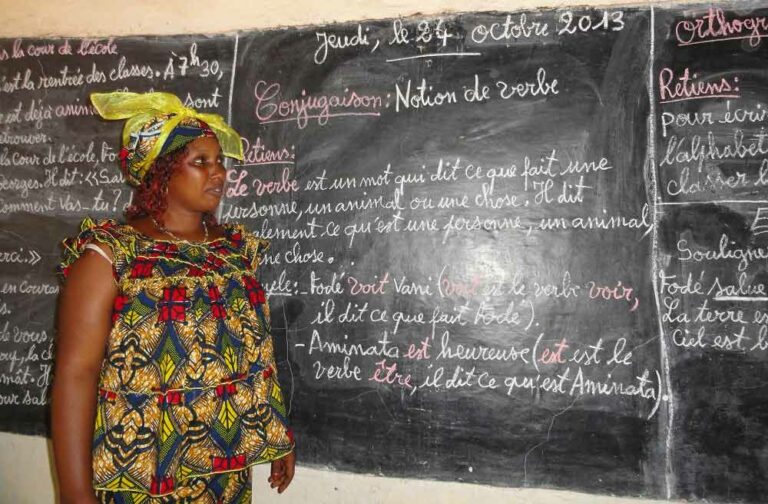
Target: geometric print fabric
pixel 188 387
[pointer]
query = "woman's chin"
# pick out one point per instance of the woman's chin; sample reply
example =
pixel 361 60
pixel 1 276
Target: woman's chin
pixel 211 200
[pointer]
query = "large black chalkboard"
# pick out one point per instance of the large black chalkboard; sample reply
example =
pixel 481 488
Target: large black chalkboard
pixel 496 237
pixel 57 165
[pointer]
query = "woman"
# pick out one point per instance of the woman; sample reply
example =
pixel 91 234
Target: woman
pixel 165 385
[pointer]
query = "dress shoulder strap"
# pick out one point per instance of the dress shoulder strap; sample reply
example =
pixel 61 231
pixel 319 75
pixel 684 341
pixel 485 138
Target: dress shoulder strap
pixel 104 231
pixel 254 246
pixel 98 250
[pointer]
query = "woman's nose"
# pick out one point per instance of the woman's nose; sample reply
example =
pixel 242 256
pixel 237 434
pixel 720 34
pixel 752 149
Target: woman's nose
pixel 219 170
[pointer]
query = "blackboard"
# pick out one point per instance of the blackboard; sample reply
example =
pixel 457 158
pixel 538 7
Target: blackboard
pixel 518 249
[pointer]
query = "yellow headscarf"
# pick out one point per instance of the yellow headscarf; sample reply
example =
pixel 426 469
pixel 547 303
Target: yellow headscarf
pixel 151 118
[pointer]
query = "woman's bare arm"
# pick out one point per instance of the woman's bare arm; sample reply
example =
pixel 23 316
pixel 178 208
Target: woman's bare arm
pixel 84 322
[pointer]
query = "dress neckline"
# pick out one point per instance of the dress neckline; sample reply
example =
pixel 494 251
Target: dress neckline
pixel 228 229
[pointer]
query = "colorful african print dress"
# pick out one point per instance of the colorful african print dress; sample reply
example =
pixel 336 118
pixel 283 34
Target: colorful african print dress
pixel 188 396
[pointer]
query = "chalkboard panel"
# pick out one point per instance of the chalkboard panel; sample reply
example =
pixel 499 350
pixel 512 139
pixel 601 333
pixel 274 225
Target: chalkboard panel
pixel 496 237
pixel 530 138
pixel 712 167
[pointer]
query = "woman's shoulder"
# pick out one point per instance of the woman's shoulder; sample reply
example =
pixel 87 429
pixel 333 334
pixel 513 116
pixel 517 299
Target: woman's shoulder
pixel 240 231
pixel 104 233
pixel 253 246
pixel 103 224
pixel 104 230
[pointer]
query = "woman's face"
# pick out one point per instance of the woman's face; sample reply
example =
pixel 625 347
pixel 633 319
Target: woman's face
pixel 197 181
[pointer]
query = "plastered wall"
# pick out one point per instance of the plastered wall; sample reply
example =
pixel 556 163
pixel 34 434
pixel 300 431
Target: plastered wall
pixel 25 466
pixel 110 17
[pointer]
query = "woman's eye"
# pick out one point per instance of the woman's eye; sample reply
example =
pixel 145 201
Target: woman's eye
pixel 203 161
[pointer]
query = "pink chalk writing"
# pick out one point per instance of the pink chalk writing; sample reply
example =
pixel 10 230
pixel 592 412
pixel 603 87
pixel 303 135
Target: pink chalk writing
pixel 554 356
pixel 238 187
pixel 389 374
pixel 285 185
pixel 377 286
pixel 258 154
pixel 714 27
pixel 617 293
pixel 452 288
pixel 271 107
pixel 97 47
pixel 674 88
pixel 418 352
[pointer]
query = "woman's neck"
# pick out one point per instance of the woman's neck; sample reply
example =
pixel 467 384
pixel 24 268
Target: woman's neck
pixel 183 223
pixel 188 226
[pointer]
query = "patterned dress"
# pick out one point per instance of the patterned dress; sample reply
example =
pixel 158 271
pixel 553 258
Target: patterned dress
pixel 188 396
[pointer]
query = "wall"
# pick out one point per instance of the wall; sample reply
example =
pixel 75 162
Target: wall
pixel 25 466
pixel 25 478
